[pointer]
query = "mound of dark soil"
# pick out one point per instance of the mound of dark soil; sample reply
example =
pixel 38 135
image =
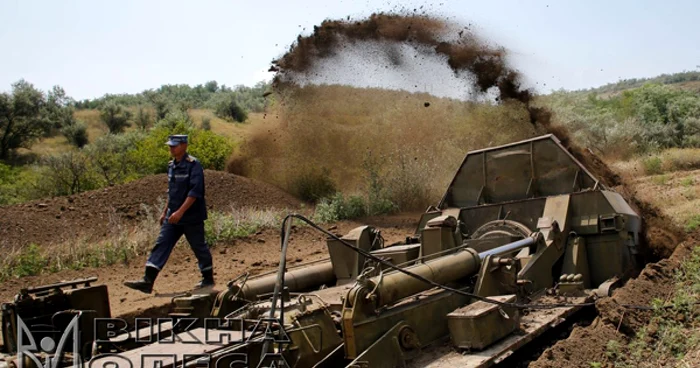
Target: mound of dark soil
pixel 615 321
pixel 100 212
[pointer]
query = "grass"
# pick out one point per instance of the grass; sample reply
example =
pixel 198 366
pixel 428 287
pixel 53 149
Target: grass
pixel 681 159
pixel 693 224
pixel 671 160
pixel 239 223
pixel 675 191
pixel 127 244
pixel 674 329
pixel 652 165
pixel 660 179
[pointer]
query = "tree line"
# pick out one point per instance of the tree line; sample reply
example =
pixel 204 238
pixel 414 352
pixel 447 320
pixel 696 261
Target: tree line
pixel 209 95
pixel 27 114
pixel 687 76
pixel 637 121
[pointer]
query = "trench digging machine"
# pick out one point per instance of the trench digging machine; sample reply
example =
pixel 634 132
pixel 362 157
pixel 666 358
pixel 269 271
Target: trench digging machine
pixel 524 237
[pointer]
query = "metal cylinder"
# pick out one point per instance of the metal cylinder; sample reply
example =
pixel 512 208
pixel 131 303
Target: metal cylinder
pixel 396 285
pixel 296 280
pixel 508 248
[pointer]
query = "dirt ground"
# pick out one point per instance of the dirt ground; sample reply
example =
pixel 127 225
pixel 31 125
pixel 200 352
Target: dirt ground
pixel 255 254
pixel 615 322
pixel 98 213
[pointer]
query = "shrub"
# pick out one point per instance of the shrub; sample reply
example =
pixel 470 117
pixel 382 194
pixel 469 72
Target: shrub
pixel 20 185
pixel 313 184
pixel 408 182
pixel 210 149
pixel 338 208
pixel 28 114
pixel 687 182
pixel 206 123
pixel 68 173
pixel 378 196
pixel 115 117
pixel 239 223
pixel 110 158
pixel 76 134
pixel 693 224
pixel 8 177
pixel 143 118
pixel 29 263
pixel 229 109
pixel 7 173
pixel 178 122
pixel 161 105
pixel 652 165
pixel 151 152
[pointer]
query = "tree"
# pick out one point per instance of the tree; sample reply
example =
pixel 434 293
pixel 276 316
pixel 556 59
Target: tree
pixel 26 116
pixel 162 106
pixel 115 117
pixel 69 173
pixel 110 157
pixel 211 86
pixel 229 109
pixel 76 133
pixel 59 108
pixel 143 118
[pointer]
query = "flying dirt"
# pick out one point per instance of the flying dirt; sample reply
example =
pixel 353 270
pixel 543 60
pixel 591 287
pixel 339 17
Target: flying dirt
pixel 391 126
pixel 337 128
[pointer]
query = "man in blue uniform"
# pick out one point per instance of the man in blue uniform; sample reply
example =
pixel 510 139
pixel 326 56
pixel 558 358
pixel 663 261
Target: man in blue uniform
pixel 184 213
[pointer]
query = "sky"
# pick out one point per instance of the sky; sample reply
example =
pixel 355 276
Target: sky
pixel 91 48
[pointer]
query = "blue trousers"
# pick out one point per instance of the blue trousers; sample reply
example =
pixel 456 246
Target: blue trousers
pixel 170 234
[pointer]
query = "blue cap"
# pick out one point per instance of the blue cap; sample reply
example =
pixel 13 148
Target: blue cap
pixel 175 140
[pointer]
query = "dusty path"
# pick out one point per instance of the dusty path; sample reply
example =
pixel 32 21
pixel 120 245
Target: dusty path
pixel 255 254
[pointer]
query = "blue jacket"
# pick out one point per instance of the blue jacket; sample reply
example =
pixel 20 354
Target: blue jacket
pixel 186 179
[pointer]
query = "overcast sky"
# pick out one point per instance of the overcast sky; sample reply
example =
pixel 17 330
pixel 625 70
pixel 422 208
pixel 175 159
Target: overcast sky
pixel 93 47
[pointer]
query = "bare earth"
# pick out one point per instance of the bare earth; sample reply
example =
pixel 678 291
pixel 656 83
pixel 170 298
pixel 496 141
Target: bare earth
pixel 255 254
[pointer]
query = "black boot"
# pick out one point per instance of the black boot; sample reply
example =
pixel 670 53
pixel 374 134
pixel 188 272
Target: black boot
pixel 207 279
pixel 144 285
